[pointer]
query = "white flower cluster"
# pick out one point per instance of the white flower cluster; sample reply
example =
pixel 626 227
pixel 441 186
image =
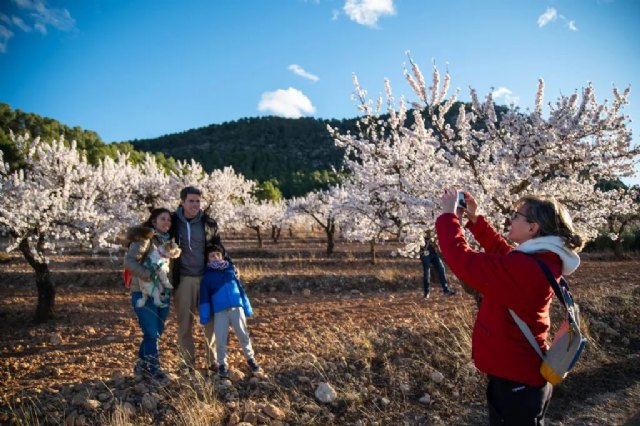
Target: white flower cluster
pixel 399 165
pixel 58 196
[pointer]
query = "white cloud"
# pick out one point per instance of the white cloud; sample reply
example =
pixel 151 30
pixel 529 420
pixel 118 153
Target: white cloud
pixel 572 26
pixel 18 22
pixel 44 16
pixel 549 16
pixel 334 14
pixel 40 27
pixel 5 35
pixel 298 70
pixel 367 12
pixel 34 15
pixel 506 94
pixel 290 103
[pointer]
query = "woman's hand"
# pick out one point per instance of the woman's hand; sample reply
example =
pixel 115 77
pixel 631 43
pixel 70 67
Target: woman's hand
pixel 472 207
pixel 449 201
pixel 450 204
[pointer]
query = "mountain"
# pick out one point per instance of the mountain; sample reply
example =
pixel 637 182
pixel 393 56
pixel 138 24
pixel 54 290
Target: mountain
pixel 48 129
pixel 296 154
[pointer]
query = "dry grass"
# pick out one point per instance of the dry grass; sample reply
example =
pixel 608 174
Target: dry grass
pixel 118 417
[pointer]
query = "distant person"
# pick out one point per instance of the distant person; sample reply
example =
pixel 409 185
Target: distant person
pixel 223 297
pixel 517 394
pixel 193 230
pixel 429 256
pixel 144 239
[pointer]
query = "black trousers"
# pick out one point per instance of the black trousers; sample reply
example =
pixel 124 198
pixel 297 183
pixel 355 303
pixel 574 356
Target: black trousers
pixel 513 403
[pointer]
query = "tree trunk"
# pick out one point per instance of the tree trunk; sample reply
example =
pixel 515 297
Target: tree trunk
pixel 257 229
pixel 372 251
pixel 330 230
pixel 618 250
pixel 275 233
pixel 44 283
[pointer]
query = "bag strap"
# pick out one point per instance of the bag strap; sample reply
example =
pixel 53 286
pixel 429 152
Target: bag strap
pixel 557 289
pixel 561 290
pixel 527 333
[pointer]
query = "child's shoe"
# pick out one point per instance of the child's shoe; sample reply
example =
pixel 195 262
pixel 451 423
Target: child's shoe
pixel 223 372
pixel 253 365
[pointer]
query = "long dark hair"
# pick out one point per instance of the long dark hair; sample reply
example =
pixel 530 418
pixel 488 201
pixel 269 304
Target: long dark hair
pixel 154 215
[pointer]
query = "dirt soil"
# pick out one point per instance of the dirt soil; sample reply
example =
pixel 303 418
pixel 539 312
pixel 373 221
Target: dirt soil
pixel 392 356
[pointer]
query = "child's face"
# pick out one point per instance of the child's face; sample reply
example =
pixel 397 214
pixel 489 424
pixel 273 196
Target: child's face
pixel 215 255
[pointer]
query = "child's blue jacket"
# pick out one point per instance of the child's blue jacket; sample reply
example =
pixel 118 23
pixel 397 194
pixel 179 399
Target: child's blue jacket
pixel 220 290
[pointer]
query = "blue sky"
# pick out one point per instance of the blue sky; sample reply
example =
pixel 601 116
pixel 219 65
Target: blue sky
pixel 137 69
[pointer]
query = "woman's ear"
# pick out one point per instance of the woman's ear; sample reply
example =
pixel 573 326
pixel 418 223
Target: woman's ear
pixel 534 229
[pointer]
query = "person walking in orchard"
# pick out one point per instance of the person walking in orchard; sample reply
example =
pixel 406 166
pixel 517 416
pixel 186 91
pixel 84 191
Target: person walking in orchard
pixel 193 230
pixel 510 278
pixel 429 256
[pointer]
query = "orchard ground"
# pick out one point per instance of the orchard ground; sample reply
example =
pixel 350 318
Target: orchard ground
pixel 391 356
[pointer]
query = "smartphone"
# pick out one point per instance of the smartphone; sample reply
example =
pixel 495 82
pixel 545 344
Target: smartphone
pixel 462 202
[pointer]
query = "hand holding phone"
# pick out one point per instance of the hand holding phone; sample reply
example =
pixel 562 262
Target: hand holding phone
pixel 462 201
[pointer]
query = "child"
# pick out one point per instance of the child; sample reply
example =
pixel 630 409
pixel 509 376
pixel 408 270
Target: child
pixel 222 295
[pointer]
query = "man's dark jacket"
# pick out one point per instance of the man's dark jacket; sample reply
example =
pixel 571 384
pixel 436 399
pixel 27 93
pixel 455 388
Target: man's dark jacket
pixel 211 236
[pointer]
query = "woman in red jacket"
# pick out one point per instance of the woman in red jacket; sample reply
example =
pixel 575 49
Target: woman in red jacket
pixel 517 394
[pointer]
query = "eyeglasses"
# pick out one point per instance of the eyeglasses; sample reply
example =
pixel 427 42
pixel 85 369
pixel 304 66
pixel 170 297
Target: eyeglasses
pixel 515 213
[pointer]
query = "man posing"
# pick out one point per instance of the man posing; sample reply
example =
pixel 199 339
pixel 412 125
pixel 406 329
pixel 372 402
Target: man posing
pixel 193 230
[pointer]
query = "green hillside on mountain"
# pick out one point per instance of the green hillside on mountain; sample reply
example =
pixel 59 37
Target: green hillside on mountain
pixel 48 129
pixel 295 154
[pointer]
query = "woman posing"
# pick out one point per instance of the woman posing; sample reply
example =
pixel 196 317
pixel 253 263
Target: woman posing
pixel 510 278
pixel 152 234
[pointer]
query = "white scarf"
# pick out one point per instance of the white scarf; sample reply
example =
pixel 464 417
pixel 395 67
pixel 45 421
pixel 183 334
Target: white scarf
pixel 555 244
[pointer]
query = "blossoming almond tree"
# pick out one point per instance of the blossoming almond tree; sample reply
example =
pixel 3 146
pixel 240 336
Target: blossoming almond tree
pixel 498 158
pixel 260 216
pixel 151 187
pixel 388 190
pixel 324 208
pixel 225 194
pixel 51 198
pixel 123 191
pixel 621 210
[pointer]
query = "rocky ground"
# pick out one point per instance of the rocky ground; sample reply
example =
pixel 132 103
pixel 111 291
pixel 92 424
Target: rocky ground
pixel 341 342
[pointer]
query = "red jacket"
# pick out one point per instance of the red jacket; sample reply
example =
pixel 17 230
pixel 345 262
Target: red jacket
pixel 507 281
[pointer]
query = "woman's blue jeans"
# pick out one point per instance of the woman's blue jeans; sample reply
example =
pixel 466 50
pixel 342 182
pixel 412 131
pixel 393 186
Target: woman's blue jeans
pixel 152 320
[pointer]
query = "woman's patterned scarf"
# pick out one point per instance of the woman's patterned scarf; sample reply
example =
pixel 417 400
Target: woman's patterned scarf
pixel 164 236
